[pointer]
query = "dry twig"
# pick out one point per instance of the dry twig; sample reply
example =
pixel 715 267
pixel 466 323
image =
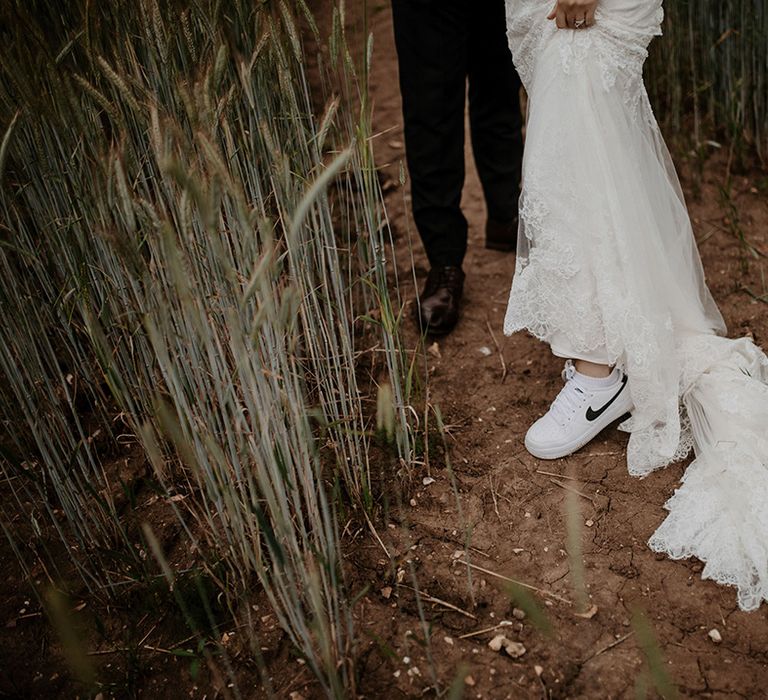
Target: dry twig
pixel 607 647
pixel 542 591
pixel 572 490
pixel 477 633
pixel 498 349
pixel 439 601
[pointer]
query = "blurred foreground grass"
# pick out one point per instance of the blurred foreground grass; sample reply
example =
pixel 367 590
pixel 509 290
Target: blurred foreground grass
pixel 193 266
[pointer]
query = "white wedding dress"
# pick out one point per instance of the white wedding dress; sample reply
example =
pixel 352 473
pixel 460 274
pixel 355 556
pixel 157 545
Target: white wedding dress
pixel 608 270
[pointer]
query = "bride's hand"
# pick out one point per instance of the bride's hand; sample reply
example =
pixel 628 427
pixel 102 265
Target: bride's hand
pixel 573 14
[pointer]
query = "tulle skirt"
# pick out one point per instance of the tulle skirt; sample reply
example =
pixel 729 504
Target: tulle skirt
pixel 608 270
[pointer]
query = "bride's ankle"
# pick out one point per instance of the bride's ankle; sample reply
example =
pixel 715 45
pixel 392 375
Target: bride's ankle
pixel 591 369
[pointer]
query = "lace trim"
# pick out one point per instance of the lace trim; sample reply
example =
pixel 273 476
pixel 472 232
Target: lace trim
pixel 719 514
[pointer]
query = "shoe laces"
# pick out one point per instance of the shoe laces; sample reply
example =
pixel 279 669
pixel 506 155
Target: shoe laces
pixel 448 276
pixel 571 397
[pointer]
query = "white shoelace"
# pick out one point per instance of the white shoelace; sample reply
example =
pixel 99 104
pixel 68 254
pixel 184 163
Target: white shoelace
pixel 570 399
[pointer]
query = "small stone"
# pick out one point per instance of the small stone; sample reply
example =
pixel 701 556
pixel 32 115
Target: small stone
pixel 589 523
pixel 518 614
pixel 513 649
pixel 448 640
pixel 715 636
pixel 386 592
pixel 485 351
pixel 539 670
pixel 469 681
pixel 427 480
pixel 413 503
pixel 588 614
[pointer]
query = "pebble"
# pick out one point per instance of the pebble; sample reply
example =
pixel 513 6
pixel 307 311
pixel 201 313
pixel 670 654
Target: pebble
pixel 513 649
pixel 715 636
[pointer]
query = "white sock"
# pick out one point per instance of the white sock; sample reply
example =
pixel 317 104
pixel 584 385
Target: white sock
pixel 598 382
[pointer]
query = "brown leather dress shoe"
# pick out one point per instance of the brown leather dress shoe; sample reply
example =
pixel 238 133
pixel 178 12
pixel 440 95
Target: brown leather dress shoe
pixel 437 310
pixel 501 235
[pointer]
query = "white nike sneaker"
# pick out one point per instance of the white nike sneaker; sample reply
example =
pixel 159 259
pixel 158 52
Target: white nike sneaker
pixel 581 410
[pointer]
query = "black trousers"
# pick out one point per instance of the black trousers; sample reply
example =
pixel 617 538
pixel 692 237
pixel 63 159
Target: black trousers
pixel 440 45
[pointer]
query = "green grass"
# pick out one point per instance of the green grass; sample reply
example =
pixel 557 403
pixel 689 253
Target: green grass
pixel 192 263
pixel 710 73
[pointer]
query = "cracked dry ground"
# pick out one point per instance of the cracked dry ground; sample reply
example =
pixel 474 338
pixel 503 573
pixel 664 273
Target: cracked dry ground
pixel 513 514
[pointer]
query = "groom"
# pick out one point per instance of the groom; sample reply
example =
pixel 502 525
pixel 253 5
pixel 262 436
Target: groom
pixel 442 45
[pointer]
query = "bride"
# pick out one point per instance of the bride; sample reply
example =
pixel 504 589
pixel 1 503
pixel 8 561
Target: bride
pixel 609 276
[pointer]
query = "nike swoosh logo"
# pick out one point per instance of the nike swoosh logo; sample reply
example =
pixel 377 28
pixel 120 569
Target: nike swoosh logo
pixel 594 415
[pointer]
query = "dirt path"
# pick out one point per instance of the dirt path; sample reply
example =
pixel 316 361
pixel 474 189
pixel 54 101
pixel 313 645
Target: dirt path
pixel 513 513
